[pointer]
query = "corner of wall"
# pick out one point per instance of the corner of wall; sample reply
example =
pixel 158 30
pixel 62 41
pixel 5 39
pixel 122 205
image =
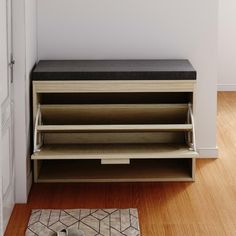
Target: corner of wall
pixel 210 152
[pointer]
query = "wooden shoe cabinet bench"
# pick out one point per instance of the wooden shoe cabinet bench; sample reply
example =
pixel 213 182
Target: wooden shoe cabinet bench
pixel 114 121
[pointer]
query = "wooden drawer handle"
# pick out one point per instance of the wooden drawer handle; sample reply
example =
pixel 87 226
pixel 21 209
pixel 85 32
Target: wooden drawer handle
pixel 114 161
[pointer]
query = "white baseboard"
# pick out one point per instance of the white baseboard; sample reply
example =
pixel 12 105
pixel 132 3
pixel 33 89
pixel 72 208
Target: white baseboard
pixel 226 87
pixel 208 152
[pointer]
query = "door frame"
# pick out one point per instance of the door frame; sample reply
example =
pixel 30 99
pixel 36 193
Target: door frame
pixel 6 116
pixel 20 126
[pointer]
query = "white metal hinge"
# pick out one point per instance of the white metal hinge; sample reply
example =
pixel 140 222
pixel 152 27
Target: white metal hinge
pixel 11 65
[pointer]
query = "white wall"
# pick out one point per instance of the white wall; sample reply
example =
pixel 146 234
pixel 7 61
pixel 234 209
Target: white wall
pixel 227 45
pixel 25 47
pixel 138 29
pixel 31 59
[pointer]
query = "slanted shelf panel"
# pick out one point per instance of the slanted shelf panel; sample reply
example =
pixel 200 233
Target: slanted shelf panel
pixel 107 114
pixel 114 137
pixel 114 123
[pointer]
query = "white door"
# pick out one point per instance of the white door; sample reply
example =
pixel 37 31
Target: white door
pixel 6 115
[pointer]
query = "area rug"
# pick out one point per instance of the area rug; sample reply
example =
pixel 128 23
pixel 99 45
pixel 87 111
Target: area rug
pixel 99 222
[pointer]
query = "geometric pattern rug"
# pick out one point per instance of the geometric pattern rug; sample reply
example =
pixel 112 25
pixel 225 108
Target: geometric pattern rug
pixel 94 222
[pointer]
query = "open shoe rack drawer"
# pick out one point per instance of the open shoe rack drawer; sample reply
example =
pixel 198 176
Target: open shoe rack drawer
pixel 83 132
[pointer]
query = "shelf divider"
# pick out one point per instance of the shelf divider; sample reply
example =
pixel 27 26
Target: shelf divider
pixel 115 128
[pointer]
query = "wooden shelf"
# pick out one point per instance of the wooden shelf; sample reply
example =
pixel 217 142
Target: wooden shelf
pixel 116 106
pixel 111 114
pixel 137 171
pixel 114 128
pixel 109 151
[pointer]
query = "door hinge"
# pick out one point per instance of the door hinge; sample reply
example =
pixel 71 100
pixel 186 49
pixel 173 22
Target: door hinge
pixel 11 65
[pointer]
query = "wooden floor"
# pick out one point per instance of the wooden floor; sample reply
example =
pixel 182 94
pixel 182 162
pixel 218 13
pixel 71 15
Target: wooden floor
pixel 206 207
